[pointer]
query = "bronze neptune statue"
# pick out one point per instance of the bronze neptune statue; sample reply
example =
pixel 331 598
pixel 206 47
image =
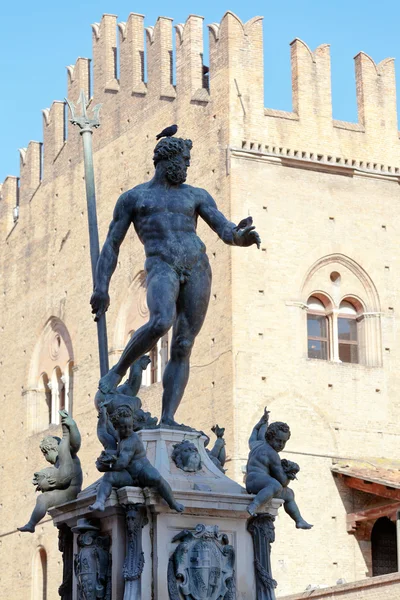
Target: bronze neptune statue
pixel 164 212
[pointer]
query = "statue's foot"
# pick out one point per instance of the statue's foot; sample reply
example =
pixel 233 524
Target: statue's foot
pixel 97 506
pixel 252 509
pixel 27 527
pixel 109 382
pixel 178 507
pixel 169 421
pixel 302 524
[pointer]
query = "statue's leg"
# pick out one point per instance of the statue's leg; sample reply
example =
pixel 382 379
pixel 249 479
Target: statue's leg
pixel 265 487
pixel 109 480
pixel 43 502
pixel 292 509
pixel 150 477
pixel 191 311
pixel 162 292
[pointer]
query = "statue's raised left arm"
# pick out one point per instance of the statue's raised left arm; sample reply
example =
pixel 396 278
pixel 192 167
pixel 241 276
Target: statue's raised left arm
pixel 226 230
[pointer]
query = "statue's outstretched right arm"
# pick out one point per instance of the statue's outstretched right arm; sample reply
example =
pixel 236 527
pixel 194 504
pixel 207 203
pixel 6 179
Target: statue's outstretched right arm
pixel 108 258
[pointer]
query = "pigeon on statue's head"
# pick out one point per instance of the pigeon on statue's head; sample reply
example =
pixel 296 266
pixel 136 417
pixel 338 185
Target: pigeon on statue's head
pixel 167 132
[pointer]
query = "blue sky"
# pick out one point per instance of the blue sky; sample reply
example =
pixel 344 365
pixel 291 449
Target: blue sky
pixel 39 40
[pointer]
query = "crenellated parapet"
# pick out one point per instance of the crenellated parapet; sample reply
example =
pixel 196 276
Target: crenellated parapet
pixel 311 81
pixel 53 135
pixel 190 79
pixel 132 61
pixel 160 59
pixel 376 94
pixel 133 78
pixel 30 171
pixel 9 203
pixel 104 35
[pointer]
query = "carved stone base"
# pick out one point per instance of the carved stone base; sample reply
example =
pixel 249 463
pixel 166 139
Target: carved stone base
pixel 211 500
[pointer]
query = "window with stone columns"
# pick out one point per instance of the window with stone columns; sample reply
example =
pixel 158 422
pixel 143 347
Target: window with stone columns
pixel 132 314
pixel 333 332
pixel 342 313
pixel 50 380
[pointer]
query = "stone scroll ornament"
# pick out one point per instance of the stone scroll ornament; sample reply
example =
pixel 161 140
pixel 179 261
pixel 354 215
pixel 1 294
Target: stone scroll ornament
pixel 92 563
pixel 136 519
pixel 61 482
pixel 202 566
pixel 262 531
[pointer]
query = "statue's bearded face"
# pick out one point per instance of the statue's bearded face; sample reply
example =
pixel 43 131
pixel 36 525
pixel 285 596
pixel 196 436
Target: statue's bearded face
pixel 177 167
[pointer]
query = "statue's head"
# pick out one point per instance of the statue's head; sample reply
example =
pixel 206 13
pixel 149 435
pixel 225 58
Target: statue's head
pixel 277 435
pixel 122 419
pixel 186 456
pixel 49 448
pixel 174 153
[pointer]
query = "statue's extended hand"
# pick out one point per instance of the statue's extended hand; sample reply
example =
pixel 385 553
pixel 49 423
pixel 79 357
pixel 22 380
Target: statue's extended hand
pixel 100 301
pixel 246 237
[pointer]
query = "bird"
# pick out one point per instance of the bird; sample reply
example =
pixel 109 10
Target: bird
pixel 167 132
pixel 244 223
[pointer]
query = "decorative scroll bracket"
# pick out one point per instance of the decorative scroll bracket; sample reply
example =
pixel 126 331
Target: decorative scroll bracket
pixel 262 530
pixel 136 519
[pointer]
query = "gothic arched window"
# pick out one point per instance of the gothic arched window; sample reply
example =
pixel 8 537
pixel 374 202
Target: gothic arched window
pixel 343 312
pixel 50 376
pixel 348 332
pixel 317 329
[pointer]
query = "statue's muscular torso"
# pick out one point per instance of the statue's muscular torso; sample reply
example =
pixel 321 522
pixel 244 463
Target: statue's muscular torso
pixel 165 221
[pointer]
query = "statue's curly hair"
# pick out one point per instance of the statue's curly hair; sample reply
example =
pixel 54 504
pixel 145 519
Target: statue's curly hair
pixel 170 147
pixel 50 442
pixel 274 428
pixel 123 412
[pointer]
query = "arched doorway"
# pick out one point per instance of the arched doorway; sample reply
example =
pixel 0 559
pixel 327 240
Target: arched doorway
pixel 384 547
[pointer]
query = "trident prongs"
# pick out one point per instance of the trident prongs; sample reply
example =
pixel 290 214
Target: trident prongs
pixel 83 120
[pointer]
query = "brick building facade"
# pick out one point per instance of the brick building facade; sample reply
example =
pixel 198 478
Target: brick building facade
pixel 323 194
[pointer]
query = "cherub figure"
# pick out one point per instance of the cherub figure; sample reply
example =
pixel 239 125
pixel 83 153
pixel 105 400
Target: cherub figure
pixel 218 452
pixel 267 475
pixel 62 482
pixel 126 395
pixel 124 460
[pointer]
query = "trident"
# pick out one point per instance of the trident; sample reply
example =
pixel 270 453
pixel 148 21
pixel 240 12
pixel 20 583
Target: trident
pixel 86 126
